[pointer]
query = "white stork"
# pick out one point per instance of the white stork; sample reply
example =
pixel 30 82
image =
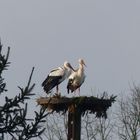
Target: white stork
pixel 56 76
pixel 77 78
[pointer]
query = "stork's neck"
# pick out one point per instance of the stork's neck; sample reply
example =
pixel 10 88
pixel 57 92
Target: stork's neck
pixel 68 71
pixel 66 68
pixel 81 69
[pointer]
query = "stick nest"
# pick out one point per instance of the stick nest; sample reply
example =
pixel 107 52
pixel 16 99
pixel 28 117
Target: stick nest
pixel 84 104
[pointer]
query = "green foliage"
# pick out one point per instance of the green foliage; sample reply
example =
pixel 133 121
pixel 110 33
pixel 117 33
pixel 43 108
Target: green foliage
pixel 13 114
pixel 3 66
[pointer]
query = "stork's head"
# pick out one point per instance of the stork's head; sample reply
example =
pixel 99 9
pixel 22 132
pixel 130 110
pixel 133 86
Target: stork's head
pixel 68 65
pixel 81 61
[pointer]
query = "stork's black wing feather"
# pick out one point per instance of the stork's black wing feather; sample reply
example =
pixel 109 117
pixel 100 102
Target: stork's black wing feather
pixel 50 82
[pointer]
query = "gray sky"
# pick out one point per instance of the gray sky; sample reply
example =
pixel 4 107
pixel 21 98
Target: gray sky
pixel 46 33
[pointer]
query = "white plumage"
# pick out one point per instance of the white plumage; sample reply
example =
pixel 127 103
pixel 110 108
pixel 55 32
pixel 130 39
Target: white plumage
pixel 77 78
pixel 56 76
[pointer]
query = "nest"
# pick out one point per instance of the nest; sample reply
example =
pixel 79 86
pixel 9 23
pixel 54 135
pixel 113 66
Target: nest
pixel 83 104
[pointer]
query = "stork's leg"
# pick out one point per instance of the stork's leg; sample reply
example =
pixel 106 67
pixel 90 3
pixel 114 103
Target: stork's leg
pixel 74 92
pixel 57 89
pixel 79 91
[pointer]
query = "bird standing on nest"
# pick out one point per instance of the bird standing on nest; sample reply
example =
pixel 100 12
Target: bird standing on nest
pixel 77 78
pixel 56 76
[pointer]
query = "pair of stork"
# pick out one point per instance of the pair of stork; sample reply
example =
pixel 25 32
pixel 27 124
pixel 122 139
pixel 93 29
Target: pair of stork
pixel 57 76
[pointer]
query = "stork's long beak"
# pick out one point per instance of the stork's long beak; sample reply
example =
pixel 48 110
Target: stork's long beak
pixel 84 64
pixel 71 67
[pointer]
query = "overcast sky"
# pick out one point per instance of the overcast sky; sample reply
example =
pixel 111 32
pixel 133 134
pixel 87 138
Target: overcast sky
pixel 45 33
pixel 105 33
